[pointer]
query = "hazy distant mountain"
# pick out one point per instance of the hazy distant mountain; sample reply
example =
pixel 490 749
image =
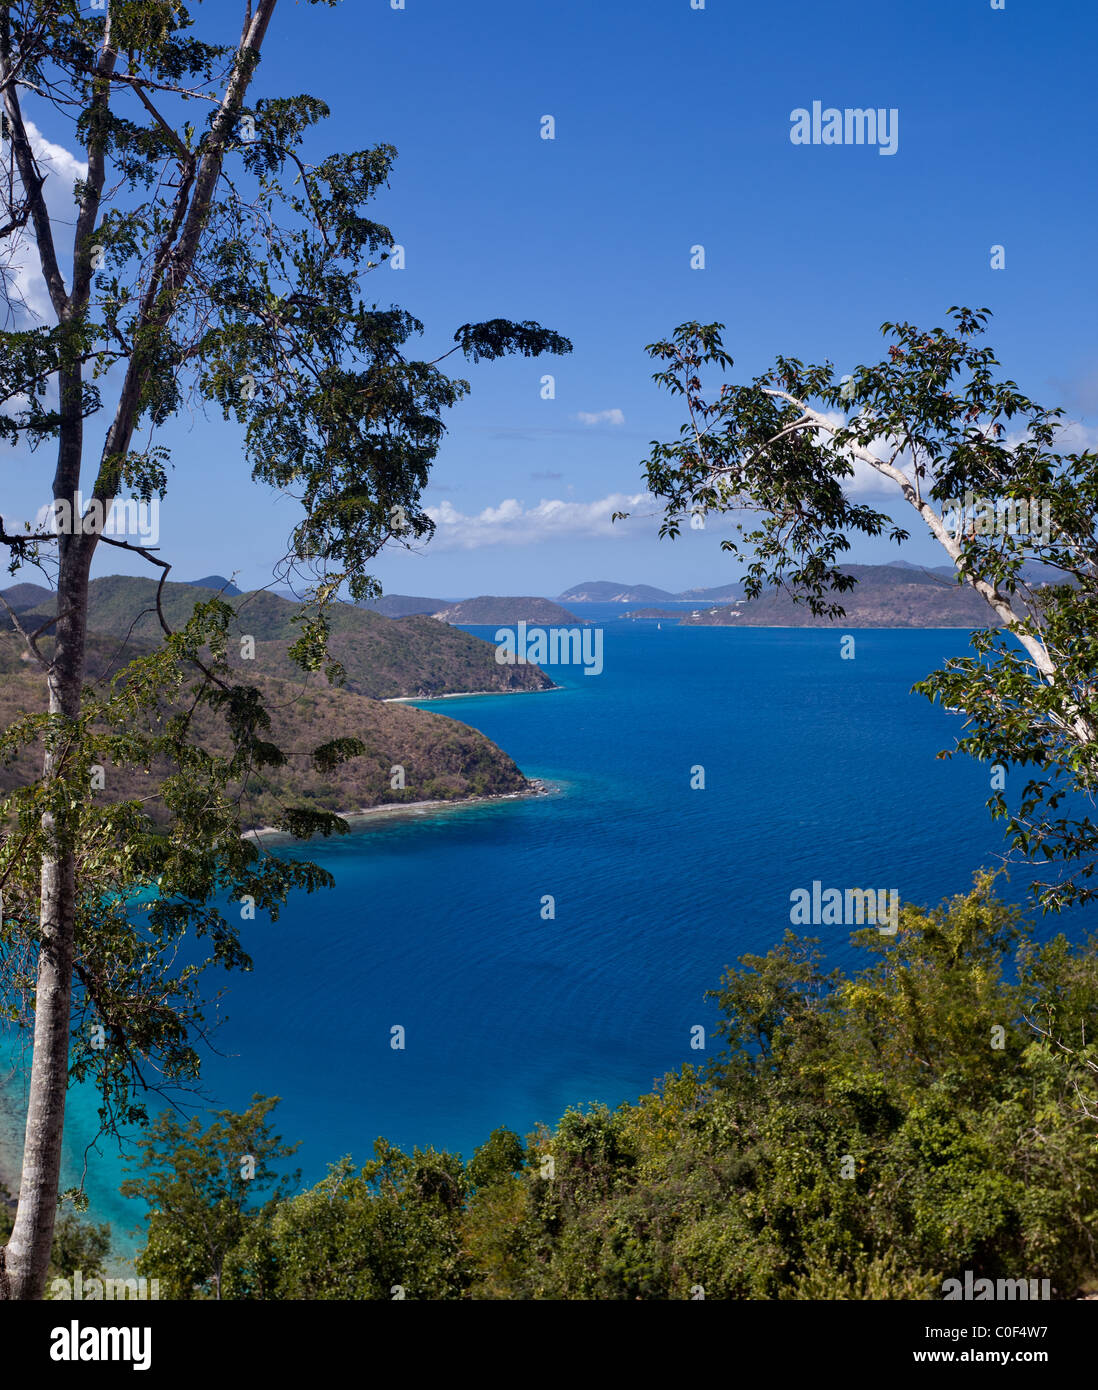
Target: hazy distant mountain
pixel 884 596
pixel 924 569
pixel 215 581
pixel 608 591
pixel 490 608
pixel 404 605
pixel 724 593
pixel 1033 573
pixel 892 594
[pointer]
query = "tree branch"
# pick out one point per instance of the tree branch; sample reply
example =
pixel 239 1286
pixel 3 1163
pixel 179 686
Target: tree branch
pixel 31 179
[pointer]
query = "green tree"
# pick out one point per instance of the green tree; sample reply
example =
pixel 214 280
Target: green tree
pixel 393 1230
pixel 203 1187
pixel 499 1230
pixel 213 262
pixel 499 1158
pixel 983 467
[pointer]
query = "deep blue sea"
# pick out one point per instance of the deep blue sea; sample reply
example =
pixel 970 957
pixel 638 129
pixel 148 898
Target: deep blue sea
pixel 816 768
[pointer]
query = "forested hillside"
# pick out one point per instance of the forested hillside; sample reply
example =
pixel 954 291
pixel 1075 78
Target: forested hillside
pixel 441 759
pixel 382 657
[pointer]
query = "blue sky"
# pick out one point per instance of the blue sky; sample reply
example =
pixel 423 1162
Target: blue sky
pixel 672 130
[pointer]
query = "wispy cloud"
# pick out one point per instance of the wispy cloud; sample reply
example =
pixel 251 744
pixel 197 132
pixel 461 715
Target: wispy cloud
pixel 601 417
pixel 513 523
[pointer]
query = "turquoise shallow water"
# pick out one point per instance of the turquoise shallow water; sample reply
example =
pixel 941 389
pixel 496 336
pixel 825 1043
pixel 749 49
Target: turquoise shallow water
pixel 816 768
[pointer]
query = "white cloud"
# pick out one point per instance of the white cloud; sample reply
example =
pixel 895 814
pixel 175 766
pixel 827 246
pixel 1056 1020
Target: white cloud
pixel 57 160
pixel 865 479
pixel 61 170
pixel 513 523
pixel 601 417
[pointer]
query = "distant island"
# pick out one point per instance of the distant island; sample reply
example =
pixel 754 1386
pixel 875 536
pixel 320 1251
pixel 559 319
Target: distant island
pixel 671 615
pixel 406 605
pixel 594 591
pixel 492 609
pixel 884 596
pixel 609 591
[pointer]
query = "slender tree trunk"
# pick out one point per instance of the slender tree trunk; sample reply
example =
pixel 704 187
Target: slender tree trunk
pixel 28 1251
pixel 27 1257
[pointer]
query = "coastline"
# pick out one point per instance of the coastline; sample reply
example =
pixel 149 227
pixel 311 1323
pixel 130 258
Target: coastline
pixel 463 695
pixel 269 834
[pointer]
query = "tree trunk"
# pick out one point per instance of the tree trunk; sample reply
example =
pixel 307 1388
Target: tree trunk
pixel 27 1257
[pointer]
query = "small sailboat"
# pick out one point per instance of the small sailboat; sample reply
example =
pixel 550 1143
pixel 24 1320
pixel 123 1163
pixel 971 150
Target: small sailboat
pixel 659 627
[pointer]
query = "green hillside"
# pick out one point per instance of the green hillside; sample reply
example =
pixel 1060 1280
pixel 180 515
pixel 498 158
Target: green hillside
pixel 442 759
pixel 383 657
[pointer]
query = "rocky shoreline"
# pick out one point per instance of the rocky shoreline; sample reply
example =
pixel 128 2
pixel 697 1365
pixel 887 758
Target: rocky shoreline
pixel 270 834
